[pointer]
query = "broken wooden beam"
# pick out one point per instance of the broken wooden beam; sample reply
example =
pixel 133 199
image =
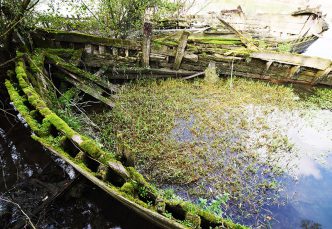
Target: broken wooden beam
pixel 289 58
pixel 195 75
pixel 180 50
pixel 94 90
pixel 243 39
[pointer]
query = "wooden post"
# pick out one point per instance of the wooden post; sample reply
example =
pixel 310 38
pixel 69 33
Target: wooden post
pixel 292 71
pixel 180 51
pixel 146 45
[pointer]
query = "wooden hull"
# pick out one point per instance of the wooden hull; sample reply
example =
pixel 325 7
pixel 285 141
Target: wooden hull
pixel 261 64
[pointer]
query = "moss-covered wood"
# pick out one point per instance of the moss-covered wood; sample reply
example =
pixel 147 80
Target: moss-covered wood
pixel 199 51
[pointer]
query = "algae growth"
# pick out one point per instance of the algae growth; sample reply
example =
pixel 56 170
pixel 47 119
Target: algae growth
pixel 207 140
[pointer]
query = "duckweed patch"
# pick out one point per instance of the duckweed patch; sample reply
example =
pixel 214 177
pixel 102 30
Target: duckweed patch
pixel 204 140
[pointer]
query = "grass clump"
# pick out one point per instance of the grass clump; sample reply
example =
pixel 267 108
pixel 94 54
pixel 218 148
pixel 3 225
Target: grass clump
pixel 322 98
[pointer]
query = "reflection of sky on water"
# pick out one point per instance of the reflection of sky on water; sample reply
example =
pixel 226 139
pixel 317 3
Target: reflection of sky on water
pixel 311 194
pixel 312 200
pixel 311 191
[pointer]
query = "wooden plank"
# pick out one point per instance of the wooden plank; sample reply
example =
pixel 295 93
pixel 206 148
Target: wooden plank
pixel 96 92
pixel 293 59
pixel 180 50
pixel 76 37
pixel 148 214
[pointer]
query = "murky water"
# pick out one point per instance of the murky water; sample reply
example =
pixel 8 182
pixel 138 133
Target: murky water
pixel 29 176
pixel 307 182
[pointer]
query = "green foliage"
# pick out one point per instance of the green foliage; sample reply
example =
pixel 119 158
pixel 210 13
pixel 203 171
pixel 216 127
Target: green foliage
pixel 284 47
pixel 321 98
pixel 215 206
pixel 169 193
pixel 116 18
pixel 15 16
pixel 124 16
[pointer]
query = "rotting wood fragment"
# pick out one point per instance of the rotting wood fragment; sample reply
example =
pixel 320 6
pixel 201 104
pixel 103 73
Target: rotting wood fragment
pixel 96 92
pixel 180 51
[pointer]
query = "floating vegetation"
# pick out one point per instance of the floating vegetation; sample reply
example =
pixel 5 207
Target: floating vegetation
pixel 204 140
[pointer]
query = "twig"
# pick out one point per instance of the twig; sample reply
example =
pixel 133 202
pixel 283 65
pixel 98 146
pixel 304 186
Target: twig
pixel 8 61
pixel 19 207
pixel 195 75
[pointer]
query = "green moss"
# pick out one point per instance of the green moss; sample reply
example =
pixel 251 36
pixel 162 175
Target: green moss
pixel 215 40
pixel 37 61
pixel 136 176
pixel 60 125
pixel 128 188
pixel 170 43
pixel 90 147
pixel 18 102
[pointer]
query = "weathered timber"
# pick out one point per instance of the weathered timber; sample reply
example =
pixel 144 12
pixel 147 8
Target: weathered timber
pixel 287 58
pixel 146 44
pixel 293 70
pixel 60 63
pixel 267 65
pixel 148 214
pixel 195 75
pixel 98 61
pixel 321 75
pixel 115 73
pixel 94 90
pixel 44 37
pixel 180 50
pixel 60 189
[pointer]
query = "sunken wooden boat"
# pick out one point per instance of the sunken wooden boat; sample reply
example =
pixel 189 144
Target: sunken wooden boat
pixel 184 54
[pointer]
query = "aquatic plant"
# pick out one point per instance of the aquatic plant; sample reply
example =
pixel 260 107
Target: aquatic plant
pixel 203 139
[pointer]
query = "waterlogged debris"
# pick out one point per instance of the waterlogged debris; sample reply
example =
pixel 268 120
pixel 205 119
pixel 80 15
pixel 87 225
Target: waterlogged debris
pixel 203 139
